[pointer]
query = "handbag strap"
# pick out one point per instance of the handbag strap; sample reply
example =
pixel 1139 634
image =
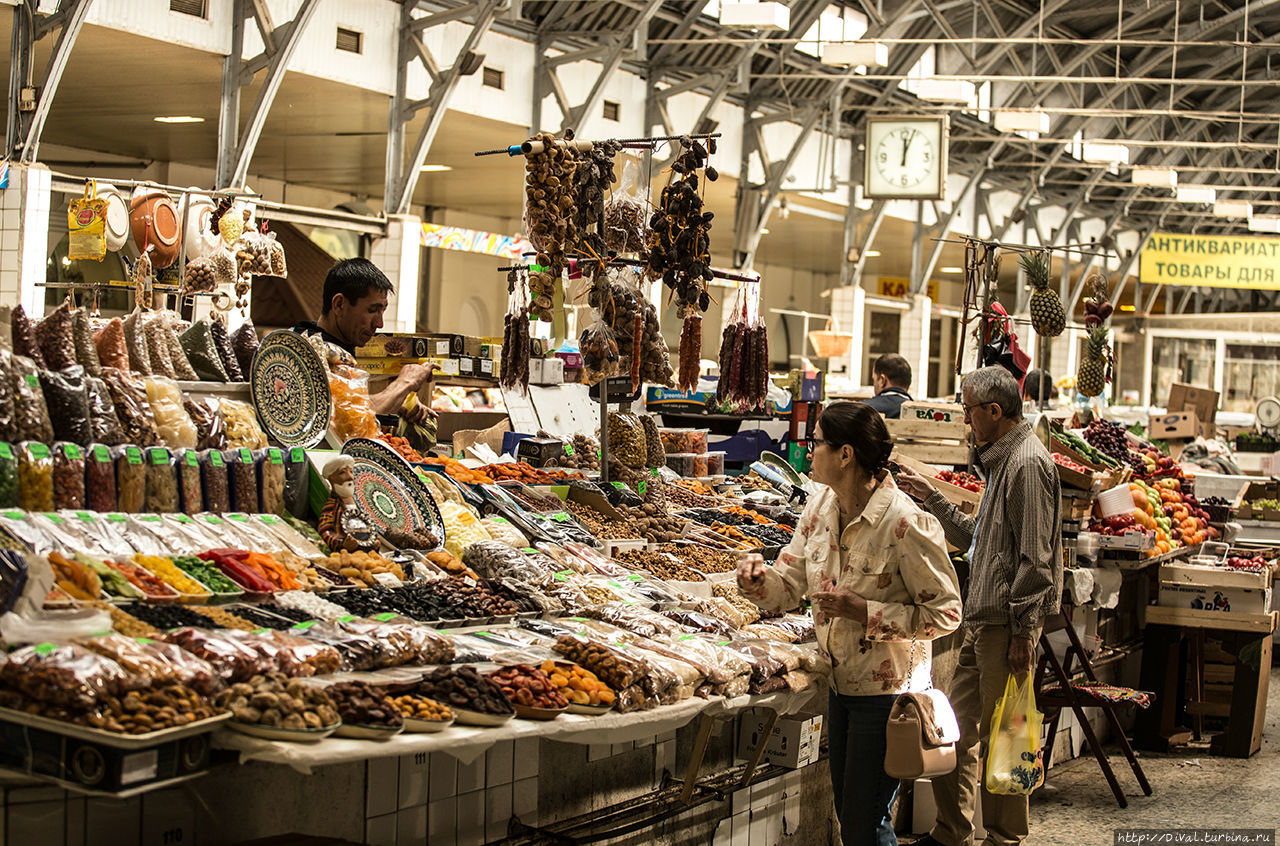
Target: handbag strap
pixel 911 666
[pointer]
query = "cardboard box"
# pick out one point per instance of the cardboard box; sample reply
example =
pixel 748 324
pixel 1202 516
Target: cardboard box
pixel 388 366
pixel 549 372
pixel 443 346
pixel 538 451
pixel 1175 425
pixel 794 741
pixel 394 345
pixel 486 368
pixel 1203 401
pixel 1212 599
pixel 1180 572
pixel 468 366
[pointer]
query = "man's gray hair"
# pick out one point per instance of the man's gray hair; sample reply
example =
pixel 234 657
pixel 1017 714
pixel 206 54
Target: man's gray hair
pixel 997 385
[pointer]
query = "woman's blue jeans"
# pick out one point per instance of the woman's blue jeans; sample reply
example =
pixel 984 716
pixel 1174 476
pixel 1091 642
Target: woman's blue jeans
pixel 863 792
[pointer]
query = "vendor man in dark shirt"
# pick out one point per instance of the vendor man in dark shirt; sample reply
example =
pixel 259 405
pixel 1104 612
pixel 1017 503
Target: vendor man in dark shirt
pixel 355 296
pixel 890 376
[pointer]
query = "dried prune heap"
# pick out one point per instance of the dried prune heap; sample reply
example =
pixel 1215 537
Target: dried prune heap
pixel 680 249
pixel 550 174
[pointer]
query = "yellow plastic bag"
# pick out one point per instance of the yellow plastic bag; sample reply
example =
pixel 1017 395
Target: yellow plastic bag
pixel 1015 759
pixel 87 225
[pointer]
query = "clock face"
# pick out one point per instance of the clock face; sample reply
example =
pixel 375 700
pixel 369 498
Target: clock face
pixel 906 158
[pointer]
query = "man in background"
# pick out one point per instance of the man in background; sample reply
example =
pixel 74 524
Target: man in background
pixel 891 377
pixel 355 297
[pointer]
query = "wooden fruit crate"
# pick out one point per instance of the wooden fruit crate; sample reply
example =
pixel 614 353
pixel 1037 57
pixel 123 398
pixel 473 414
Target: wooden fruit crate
pixel 944 453
pixel 929 420
pixel 963 498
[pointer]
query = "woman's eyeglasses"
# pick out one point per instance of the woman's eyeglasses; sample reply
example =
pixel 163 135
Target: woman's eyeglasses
pixel 813 444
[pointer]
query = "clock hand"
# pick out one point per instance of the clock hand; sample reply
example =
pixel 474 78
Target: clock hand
pixel 906 143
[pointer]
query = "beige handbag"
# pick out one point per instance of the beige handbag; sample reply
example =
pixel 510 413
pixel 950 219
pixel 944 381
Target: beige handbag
pixel 921 735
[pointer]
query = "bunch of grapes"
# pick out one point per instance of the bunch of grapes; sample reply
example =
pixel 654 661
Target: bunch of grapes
pixel 1112 439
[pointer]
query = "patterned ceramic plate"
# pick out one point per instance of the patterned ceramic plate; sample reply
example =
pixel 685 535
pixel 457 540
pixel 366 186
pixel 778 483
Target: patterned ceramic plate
pixel 290 390
pixel 388 490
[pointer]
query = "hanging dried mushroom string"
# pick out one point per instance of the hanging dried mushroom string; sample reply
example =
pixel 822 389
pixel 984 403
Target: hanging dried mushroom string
pixel 680 249
pixel 549 215
pixel 599 342
pixel 513 370
pixel 744 354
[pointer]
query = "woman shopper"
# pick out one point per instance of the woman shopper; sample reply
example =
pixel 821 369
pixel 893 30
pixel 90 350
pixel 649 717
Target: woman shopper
pixel 876 570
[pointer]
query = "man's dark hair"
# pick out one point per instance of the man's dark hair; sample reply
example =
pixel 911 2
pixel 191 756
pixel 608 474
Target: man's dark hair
pixel 1036 382
pixel 353 278
pixel 895 368
pixel 861 427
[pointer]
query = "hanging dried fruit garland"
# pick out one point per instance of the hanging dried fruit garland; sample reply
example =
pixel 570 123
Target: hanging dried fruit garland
pixel 680 250
pixel 593 180
pixel 550 219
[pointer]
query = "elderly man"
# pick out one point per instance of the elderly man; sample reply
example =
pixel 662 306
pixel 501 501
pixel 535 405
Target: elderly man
pixel 1015 582
pixel 341 526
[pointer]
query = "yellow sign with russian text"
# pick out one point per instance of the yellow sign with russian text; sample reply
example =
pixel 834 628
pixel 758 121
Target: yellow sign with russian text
pixel 891 286
pixel 1210 261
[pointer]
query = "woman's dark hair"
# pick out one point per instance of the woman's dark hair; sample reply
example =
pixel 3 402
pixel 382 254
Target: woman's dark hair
pixel 860 426
pixel 354 279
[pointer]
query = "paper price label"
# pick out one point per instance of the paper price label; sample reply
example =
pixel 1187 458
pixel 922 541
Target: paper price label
pixel 72 452
pixel 568 449
pixel 160 456
pixel 215 458
pixel 6 451
pixel 642 487
pixel 100 452
pixel 39 451
pixel 296 455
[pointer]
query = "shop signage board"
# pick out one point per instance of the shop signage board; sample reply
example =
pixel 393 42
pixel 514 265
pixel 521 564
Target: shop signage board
pixel 1210 261
pixel 899 288
pixel 473 241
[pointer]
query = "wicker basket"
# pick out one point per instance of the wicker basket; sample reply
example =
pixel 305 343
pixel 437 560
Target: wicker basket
pixel 830 343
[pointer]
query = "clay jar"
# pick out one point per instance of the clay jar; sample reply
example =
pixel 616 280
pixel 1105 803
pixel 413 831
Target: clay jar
pixel 155 224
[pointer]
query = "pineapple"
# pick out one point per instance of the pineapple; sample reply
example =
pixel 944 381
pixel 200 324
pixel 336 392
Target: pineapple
pixel 1091 377
pixel 1048 317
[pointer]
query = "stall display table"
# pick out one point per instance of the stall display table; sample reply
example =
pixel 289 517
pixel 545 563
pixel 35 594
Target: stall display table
pixel 1174 634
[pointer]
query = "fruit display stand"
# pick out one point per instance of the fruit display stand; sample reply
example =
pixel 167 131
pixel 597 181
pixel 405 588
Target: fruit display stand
pixel 963 498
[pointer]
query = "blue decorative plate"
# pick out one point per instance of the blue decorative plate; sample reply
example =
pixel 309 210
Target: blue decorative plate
pixel 388 490
pixel 290 390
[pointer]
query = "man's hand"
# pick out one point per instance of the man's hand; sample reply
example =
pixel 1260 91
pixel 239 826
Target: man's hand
pixel 751 574
pixel 418 414
pixel 912 483
pixel 1021 653
pixel 833 602
pixel 416 375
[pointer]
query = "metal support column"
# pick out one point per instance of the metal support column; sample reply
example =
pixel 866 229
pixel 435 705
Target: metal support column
pixel 235 151
pixel 27 30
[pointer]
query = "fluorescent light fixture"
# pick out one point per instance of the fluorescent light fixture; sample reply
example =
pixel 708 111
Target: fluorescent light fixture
pixel 1156 177
pixel 942 90
pixel 951 270
pixel 1196 194
pixel 872 254
pixel 1265 223
pixel 1233 208
pixel 1104 152
pixel 435 168
pixel 872 54
pixel 178 119
pixel 764 231
pixel 1128 308
pixel 1029 121
pixel 758 16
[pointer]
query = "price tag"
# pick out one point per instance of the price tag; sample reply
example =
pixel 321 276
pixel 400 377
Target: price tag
pixel 46 647
pixel 482 634
pixel 560 517
pixel 54 518
pixel 635 578
pixel 159 455
pixel 133 455
pixel 346 618
pixel 654 471
pixel 563 574
pixel 687 637
pixel 619 485
pixel 297 456
pixel 39 451
pixel 641 487
pixel 578 619
pixel 6 451
pixel 190 458
pixel 72 452
pixel 117 518
pixel 613 583
pixel 246 455
pixel 385 616
pixel 568 449
pixel 181 518
pixel 269 519
pixel 215 458
pixel 598 455
pixel 275 456
pixel 100 452
pixel 148 518
pixel 33 380
pixel 239 518
pixel 15 515
pixel 500 519
pixel 528 549
pixel 84 515
pixel 627 602
pixel 212 519
pixel 262 631
pixel 304 626
pixel 144 640
pixel 723 643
